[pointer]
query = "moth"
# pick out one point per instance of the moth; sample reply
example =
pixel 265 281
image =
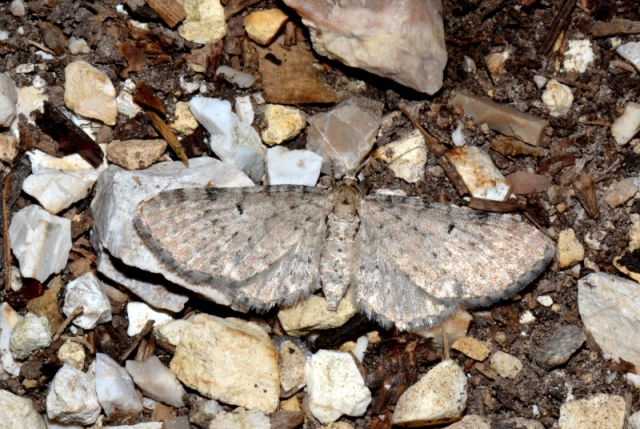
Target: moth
pixel 410 262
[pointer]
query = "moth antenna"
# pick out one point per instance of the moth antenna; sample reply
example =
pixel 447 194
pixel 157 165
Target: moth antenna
pixel 336 155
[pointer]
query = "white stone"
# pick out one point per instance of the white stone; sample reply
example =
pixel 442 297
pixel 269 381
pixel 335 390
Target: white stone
pixel 40 241
pixel 526 318
pixel 185 123
pixel 235 142
pixel 8 100
pixel 8 320
pixel 156 381
pixel 147 425
pixel 114 387
pixel 126 105
pixel 205 21
pixel 56 190
pixel 545 300
pixel 627 125
pixel 540 81
pixel 17 8
pixel 73 354
pixel 89 92
pixel 25 68
pixel 16 279
pixel 558 98
pixel 610 309
pixel 282 123
pixel 505 365
pixel 335 386
pixel 578 55
pixel 439 397
pixel 78 46
pixel 344 135
pixel 244 109
pixel 18 413
pixel 406 157
pixel 457 137
pixel 52 424
pixel 469 65
pixel 241 79
pixel 71 164
pixel 72 397
pixel 630 52
pixel 86 291
pixel 30 99
pixel 482 177
pixel 251 377
pixel 633 379
pixel 599 412
pixel 30 334
pixel 634 420
pixel 361 347
pixel 312 314
pixel 139 313
pixel 292 167
pixel 495 62
pixel 117 195
pixel 189 87
pixel 241 419
pixel 403 41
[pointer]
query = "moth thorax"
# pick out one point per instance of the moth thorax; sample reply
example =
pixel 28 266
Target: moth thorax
pixel 346 199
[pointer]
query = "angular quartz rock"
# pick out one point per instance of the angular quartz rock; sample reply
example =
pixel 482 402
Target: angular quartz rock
pixel 40 241
pixel 344 135
pixel 115 387
pixel 156 381
pixel 402 40
pixel 292 167
pixel 87 291
pixel 234 141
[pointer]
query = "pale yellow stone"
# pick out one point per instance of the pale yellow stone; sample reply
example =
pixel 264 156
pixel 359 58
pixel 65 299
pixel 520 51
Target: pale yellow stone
pixel 205 21
pixel 135 154
pixel 600 412
pixel 348 347
pixel 337 425
pixel 291 404
pixel 185 122
pixel 455 327
pixel 471 347
pixel 314 314
pixel 282 123
pixel 472 421
pixel 89 92
pixel 264 25
pixel 495 62
pixel 407 157
pixel 569 251
pixel 8 148
pixel 73 354
pixel 229 360
pixel 505 365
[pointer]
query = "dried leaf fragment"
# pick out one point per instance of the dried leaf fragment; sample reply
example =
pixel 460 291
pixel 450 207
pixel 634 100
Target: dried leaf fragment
pixel 166 132
pixel 171 12
pixel 586 194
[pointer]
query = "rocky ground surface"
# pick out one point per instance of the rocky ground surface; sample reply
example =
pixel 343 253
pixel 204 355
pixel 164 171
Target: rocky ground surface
pixel 103 103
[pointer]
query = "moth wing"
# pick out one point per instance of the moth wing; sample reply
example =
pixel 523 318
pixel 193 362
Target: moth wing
pixel 261 245
pixel 455 256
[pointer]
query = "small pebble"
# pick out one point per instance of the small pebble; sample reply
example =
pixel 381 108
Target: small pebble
pixel 263 26
pixel 598 412
pixel 558 98
pixel 472 348
pixel 569 251
pixel 560 346
pixel 505 365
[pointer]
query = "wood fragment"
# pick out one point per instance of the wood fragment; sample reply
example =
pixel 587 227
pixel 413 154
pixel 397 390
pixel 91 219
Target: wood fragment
pixel 509 146
pixel 570 82
pixel 586 194
pixel 600 123
pixel 496 206
pixel 615 26
pixel 296 80
pixel 145 349
pixel 537 225
pixel 80 340
pixel 554 164
pixel 558 24
pixel 41 47
pixel 453 176
pixel 6 194
pixel 145 331
pixel 75 313
pixel 147 98
pixel 234 7
pixel 290 34
pixel 622 65
pixel 171 12
pixel 167 134
pixel 606 172
pixel 70 137
pixel 434 145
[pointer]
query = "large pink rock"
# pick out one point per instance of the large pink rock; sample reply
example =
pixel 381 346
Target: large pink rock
pixel 399 39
